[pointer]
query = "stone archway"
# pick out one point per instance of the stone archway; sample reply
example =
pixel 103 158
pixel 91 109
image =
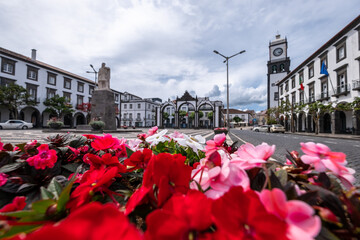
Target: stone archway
pixel 206 107
pixel 32 115
pixel 79 119
pixel 168 108
pixel 68 120
pixel 186 121
pixel 326 123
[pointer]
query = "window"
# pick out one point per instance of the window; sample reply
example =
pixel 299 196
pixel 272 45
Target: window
pixel 282 67
pixel 80 87
pixel 51 78
pixel 91 90
pixel 130 106
pixel 301 76
pixel 6 81
pixel 323 59
pixel 301 97
pixel 80 100
pixel 32 73
pixel 341 52
pixel 138 116
pixel 311 71
pixel 139 105
pixel 287 86
pixel 130 116
pixel 281 90
pixel 293 82
pixel 125 106
pixel 276 96
pixel 67 83
pixel 67 96
pixel 89 100
pixel 274 69
pixel 311 93
pixel 149 105
pixel 8 66
pixel 324 88
pixel 116 97
pixel 32 91
pixel 342 82
pixel 148 116
pixel 50 93
pixel 293 98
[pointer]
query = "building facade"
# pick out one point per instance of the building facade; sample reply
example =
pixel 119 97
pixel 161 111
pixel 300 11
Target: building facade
pixel 137 111
pixel 243 115
pixel 329 76
pixel 43 81
pixel 278 67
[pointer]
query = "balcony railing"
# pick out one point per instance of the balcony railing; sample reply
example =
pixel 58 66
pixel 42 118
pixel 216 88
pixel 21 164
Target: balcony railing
pixel 356 84
pixel 342 90
pixel 323 96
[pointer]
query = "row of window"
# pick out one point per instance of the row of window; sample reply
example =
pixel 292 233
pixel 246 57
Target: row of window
pixel 8 66
pixel 138 116
pixel 138 106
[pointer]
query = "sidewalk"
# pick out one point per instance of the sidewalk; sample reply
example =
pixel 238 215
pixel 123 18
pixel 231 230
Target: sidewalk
pixel 328 135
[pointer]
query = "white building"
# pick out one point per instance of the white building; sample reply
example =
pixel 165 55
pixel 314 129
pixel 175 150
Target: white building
pixel 243 115
pixel 44 81
pixel 137 111
pixel 341 56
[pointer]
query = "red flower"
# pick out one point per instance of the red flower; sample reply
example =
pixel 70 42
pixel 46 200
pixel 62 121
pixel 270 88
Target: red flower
pixel 96 180
pixel 105 160
pixel 45 158
pixel 1 146
pixel 165 175
pixel 105 142
pixel 91 222
pixel 138 159
pixel 182 217
pixel 17 204
pixel 242 216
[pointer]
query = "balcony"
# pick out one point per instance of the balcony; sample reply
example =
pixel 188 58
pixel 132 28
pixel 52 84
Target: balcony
pixel 323 96
pixel 356 84
pixel 342 90
pixel 32 100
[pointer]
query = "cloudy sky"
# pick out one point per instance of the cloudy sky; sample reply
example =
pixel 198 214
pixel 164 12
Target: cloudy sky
pixel 160 48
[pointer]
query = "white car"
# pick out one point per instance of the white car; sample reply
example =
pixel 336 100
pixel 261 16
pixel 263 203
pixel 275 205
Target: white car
pixel 263 128
pixel 277 128
pixel 15 124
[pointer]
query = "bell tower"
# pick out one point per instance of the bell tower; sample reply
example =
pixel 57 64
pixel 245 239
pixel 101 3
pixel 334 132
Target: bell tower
pixel 278 67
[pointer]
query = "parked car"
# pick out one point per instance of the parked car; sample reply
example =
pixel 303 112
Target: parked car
pixel 277 128
pixel 262 128
pixel 15 124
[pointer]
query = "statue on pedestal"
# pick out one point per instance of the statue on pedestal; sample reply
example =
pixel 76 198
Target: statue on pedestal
pixel 104 77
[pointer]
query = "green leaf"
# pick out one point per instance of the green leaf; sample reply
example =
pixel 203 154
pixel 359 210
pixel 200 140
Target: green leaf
pixel 282 176
pixel 78 141
pixel 14 230
pixel 64 197
pixel 325 234
pixel 46 194
pixel 55 188
pixel 26 186
pixel 129 152
pixel 20 214
pixel 10 167
pixel 63 150
pixel 71 167
pixel 42 205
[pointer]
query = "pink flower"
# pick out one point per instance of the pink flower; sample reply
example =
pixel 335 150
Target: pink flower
pixel 45 158
pixel 213 145
pixel 302 224
pixel 1 146
pixel 3 179
pixel 249 156
pixel 176 134
pixel 220 178
pixel 322 158
pixel 152 131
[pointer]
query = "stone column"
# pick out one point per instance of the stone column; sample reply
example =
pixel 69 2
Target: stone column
pixel 177 119
pixel 196 119
pixel 159 118
pixel 103 107
pixel 333 123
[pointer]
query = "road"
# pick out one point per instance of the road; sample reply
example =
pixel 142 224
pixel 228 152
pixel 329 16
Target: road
pixel 290 142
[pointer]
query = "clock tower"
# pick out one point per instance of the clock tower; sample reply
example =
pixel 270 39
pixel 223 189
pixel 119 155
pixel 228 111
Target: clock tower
pixel 278 67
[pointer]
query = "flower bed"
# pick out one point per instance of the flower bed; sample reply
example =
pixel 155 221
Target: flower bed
pixel 220 130
pixel 173 186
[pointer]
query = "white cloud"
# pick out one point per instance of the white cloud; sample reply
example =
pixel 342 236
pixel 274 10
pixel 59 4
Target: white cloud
pixel 161 48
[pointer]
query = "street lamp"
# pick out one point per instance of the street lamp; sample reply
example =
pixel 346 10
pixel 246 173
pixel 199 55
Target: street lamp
pixel 227 83
pixel 93 72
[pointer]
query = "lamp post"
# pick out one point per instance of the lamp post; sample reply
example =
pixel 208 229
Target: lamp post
pixel 227 83
pixel 95 72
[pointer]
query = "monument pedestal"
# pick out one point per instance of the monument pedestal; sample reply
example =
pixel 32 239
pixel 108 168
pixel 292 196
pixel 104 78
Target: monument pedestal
pixel 103 107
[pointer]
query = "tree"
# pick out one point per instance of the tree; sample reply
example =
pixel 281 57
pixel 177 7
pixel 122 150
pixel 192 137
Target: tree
pixel 182 113
pixel 316 109
pixel 166 115
pixel 14 96
pixel 58 105
pixel 237 119
pixel 192 115
pixel 210 116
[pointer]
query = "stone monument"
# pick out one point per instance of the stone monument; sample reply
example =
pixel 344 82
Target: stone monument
pixel 103 101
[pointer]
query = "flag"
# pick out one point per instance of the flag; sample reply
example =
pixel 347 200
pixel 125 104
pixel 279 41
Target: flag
pixel 301 84
pixel 323 69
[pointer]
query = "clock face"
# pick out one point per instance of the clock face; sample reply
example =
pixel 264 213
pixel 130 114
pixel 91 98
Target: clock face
pixel 277 52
